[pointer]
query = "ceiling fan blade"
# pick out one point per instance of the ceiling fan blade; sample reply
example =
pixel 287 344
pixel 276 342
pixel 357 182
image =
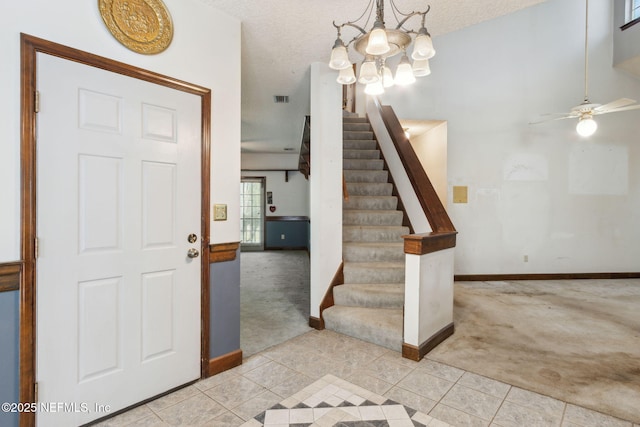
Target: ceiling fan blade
pixel 562 116
pixel 630 107
pixel 618 103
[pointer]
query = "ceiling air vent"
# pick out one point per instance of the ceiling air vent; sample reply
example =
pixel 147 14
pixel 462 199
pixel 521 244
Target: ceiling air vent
pixel 281 99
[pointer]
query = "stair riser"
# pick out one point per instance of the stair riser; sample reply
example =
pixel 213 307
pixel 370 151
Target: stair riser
pixel 372 218
pixel 347 296
pixel 357 144
pixel 356 127
pixel 354 119
pixel 377 234
pixel 360 154
pixel 357 135
pixel 371 202
pixel 369 189
pixel 385 330
pixel 379 252
pixel 366 176
pixel 360 164
pixel 357 274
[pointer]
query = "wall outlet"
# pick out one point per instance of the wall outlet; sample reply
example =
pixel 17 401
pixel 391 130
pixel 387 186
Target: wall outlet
pixel 282 237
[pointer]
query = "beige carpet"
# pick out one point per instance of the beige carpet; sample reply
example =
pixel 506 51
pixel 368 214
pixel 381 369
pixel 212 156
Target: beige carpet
pixel 576 340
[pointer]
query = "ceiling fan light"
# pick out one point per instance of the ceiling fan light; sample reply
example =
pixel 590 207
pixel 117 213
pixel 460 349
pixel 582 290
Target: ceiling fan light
pixel 423 46
pixel 339 57
pixel 421 67
pixel 586 126
pixel 346 76
pixel 404 73
pixel 374 88
pixel 387 77
pixel 378 43
pixel 368 73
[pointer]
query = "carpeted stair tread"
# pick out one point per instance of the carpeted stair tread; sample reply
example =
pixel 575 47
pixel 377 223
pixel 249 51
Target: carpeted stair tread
pixel 373 252
pixel 357 134
pixel 370 202
pixel 369 188
pixel 373 233
pixel 356 127
pixel 371 217
pixel 352 175
pixel 363 164
pixel 376 325
pixel 360 144
pixel 360 154
pixel 373 272
pixel 373 295
pixel 354 119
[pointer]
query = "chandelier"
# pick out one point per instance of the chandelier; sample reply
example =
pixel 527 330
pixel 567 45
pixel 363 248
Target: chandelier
pixel 380 43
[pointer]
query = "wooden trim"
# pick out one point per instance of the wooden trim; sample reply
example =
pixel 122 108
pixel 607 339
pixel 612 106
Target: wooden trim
pixel 429 200
pixel 221 252
pixel 316 323
pixel 10 276
pixel 327 301
pixel 286 218
pixel 543 276
pixel 417 353
pixel 30 46
pixel 421 244
pixel 224 362
pixel 630 24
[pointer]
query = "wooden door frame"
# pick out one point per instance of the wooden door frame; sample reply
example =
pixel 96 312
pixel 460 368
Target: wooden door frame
pixel 30 46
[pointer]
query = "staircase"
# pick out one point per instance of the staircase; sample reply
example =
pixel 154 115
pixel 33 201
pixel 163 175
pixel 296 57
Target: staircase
pixel 369 305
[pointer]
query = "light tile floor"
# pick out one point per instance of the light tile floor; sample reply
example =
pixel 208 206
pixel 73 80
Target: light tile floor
pixel 444 394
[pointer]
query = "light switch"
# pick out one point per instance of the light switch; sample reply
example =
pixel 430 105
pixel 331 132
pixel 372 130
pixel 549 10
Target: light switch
pixel 460 194
pixel 219 212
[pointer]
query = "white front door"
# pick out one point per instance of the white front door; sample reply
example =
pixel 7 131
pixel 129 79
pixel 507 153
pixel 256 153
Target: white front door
pixel 118 194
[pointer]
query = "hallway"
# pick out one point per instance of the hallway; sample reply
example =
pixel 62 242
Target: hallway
pixel 274 298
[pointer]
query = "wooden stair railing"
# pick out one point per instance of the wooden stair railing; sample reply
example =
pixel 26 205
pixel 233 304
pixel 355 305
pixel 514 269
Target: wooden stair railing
pixel 304 160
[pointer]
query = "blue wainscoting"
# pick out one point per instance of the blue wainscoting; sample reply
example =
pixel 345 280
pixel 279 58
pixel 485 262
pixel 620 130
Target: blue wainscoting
pixel 295 230
pixel 224 322
pixel 9 351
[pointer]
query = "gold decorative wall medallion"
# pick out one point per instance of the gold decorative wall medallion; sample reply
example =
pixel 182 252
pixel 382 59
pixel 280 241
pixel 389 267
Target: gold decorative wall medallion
pixel 144 26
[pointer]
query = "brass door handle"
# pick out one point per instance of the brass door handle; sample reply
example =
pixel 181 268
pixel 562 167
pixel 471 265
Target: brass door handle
pixel 193 253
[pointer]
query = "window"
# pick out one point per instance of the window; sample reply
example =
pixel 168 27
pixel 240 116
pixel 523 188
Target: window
pixel 634 9
pixel 251 213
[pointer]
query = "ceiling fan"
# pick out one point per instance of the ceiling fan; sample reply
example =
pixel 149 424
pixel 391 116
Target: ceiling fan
pixel 584 112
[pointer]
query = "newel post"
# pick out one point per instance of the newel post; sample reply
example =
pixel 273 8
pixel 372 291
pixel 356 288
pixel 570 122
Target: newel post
pixel 428 309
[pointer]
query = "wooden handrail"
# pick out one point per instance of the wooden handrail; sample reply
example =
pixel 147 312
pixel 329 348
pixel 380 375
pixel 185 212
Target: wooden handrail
pixel 345 190
pixel 434 210
pixel 304 160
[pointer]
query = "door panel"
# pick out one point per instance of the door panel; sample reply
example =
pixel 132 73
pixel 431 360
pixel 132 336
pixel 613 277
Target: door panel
pixel 118 300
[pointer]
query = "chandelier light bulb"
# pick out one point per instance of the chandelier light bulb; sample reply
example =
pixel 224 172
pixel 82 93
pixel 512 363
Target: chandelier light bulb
pixel 586 126
pixel 378 43
pixel 368 73
pixel 404 72
pixel 423 46
pixel 374 88
pixel 339 57
pixel 346 76
pixel 421 67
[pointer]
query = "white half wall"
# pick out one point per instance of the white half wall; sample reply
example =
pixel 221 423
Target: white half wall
pixel 567 204
pixel 204 38
pixel 325 181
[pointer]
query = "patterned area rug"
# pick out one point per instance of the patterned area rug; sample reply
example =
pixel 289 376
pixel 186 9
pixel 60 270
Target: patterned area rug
pixel 333 402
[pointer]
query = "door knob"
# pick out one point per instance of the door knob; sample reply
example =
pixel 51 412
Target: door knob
pixel 193 253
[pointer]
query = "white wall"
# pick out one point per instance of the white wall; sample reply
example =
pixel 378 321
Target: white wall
pixel 568 203
pixel 431 149
pixel 203 39
pixel 325 182
pixel 290 198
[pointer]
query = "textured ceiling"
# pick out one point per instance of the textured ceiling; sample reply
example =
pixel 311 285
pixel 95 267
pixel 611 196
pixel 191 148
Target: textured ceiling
pixel 280 39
